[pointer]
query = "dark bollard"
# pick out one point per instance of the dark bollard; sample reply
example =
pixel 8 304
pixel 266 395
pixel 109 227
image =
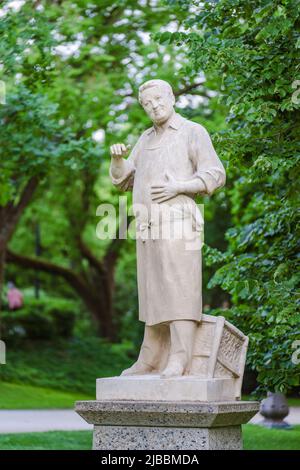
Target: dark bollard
pixel 274 409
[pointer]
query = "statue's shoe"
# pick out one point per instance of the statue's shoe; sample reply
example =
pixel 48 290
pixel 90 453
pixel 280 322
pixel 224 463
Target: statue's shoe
pixel 173 369
pixel 138 368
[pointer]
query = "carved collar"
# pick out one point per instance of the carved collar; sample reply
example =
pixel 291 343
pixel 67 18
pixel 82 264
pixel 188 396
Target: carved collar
pixel 175 122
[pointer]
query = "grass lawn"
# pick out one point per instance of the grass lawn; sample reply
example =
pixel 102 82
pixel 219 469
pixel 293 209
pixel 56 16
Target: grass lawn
pixel 54 440
pixel 255 438
pixel 259 438
pixel 67 365
pixel 15 396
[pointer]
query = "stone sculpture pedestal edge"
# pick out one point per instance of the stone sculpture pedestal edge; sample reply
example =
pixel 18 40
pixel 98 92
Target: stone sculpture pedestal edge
pixel 153 425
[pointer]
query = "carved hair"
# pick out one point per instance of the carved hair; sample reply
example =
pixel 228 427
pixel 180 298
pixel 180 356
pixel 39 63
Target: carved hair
pixel 153 83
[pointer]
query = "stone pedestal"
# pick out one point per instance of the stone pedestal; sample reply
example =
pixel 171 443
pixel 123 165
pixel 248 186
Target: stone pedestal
pixel 146 425
pixel 149 413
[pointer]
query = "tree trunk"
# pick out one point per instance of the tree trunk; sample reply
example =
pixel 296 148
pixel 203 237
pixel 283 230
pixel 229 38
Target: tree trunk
pixel 10 215
pixel 103 314
pixel 99 302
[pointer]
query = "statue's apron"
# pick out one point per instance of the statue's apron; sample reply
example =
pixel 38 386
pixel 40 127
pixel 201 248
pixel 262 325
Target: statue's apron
pixel 168 242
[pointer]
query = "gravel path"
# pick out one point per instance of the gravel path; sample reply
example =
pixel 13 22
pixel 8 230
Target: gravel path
pixel 13 421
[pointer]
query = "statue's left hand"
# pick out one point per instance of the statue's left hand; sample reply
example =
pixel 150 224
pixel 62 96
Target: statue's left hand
pixel 165 191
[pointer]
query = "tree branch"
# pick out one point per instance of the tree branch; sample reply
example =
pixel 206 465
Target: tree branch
pixel 11 214
pixel 74 279
pixel 188 88
pixel 180 92
pixel 26 195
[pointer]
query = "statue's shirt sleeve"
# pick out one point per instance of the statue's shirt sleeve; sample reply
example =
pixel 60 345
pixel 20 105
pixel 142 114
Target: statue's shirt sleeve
pixel 206 163
pixel 125 181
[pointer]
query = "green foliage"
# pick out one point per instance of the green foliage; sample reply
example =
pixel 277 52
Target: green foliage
pixel 25 49
pixel 33 142
pixel 253 46
pixel 68 365
pixel 45 318
pixel 26 397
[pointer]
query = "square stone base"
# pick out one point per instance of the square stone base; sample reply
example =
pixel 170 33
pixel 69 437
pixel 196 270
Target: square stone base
pixel 149 425
pixel 152 387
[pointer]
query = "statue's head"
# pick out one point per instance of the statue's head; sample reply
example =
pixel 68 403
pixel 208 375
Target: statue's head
pixel 157 99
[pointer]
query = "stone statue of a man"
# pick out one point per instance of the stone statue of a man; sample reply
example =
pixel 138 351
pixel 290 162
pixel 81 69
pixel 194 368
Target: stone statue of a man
pixel 171 163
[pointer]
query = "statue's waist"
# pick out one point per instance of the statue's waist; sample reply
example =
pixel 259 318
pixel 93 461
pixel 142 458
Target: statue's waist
pixel 159 214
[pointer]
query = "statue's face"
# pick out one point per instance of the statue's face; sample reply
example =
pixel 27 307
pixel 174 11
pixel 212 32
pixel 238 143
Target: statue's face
pixel 158 104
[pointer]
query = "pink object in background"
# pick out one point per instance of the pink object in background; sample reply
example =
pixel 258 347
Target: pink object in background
pixel 15 298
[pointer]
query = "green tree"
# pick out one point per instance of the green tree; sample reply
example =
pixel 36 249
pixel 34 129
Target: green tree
pixel 32 140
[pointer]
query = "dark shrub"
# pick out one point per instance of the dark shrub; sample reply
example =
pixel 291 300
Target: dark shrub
pixel 44 318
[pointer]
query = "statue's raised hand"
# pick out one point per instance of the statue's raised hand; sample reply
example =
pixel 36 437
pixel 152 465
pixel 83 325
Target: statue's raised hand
pixel 119 150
